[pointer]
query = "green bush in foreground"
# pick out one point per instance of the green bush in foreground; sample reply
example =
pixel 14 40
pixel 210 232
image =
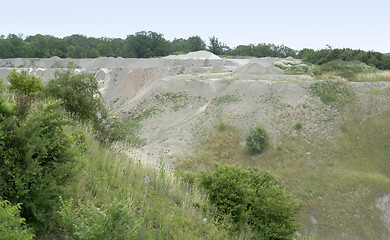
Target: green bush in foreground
pixel 257 139
pixel 12 226
pixel 116 221
pixel 36 159
pixel 252 197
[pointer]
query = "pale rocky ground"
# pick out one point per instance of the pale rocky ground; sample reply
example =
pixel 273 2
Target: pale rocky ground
pixel 189 94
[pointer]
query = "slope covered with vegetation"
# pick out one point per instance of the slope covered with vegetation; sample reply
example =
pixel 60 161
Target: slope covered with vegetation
pixel 59 172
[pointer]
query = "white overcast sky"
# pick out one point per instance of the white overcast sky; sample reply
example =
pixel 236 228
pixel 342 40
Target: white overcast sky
pixel 295 23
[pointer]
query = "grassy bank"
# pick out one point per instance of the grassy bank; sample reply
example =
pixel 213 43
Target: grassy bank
pixel 338 182
pixel 166 209
pixel 353 71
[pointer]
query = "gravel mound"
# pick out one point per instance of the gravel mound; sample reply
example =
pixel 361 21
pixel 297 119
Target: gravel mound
pixel 195 55
pixel 259 66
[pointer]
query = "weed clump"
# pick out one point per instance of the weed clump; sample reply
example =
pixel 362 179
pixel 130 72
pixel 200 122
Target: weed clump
pixel 257 139
pixel 298 126
pixel 330 91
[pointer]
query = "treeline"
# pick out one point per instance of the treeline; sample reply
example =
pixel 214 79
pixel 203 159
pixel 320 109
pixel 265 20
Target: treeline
pixel 139 45
pixel 147 44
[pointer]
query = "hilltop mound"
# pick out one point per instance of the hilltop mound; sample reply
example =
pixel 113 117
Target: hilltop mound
pixel 195 55
pixel 259 67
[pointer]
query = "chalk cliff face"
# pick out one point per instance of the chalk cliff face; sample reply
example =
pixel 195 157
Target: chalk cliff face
pixel 187 95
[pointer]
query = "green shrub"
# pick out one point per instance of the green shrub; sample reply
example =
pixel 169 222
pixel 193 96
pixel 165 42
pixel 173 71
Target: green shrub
pixel 12 226
pixel 81 98
pixel 116 221
pixel 257 139
pixel 252 197
pixel 36 159
pixel 228 189
pixel 79 94
pixel 6 108
pixel 25 83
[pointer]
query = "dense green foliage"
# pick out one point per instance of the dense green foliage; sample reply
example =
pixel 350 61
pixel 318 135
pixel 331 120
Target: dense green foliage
pixel 191 44
pixel 82 100
pixel 25 83
pixel 141 45
pixel 319 57
pixel 36 159
pixel 263 50
pixel 252 197
pixel 37 156
pixel 6 108
pixel 257 139
pixel 217 47
pixel 147 44
pixel 12 226
pixel 79 93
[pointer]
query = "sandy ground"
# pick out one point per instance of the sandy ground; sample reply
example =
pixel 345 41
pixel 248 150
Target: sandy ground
pixel 189 94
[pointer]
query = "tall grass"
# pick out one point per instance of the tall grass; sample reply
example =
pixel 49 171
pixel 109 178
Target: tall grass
pixel 351 71
pixel 381 76
pixel 343 69
pixel 167 209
